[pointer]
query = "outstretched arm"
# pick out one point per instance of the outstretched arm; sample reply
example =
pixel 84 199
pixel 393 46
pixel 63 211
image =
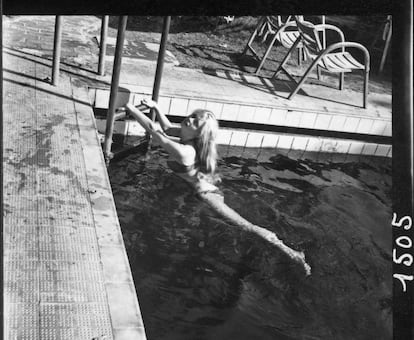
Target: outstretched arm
pixel 162 118
pixel 183 153
pixel 141 118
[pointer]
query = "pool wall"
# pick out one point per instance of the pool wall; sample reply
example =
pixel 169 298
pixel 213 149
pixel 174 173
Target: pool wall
pixel 269 127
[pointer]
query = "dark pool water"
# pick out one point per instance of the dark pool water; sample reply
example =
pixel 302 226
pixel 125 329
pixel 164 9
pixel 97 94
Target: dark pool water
pixel 198 277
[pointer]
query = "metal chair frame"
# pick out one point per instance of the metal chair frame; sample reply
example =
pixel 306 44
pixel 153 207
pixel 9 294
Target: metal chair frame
pixel 276 27
pixel 314 49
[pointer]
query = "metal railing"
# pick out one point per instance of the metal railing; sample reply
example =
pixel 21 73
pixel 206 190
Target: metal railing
pixel 111 114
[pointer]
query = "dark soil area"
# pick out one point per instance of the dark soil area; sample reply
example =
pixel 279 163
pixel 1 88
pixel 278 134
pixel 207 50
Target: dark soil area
pixel 211 43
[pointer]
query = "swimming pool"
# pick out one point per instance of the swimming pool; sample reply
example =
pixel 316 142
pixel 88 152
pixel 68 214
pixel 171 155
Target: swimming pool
pixel 199 278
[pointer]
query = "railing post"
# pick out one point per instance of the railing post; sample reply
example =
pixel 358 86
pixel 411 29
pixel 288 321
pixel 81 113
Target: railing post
pixel 160 61
pixel 387 43
pixel 102 45
pixel 110 118
pixel 323 32
pixel 56 49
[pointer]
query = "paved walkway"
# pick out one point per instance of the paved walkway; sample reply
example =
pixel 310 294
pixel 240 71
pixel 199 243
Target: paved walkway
pixel 66 273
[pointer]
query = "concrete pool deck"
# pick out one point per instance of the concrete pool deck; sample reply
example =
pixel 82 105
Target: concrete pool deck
pixel 66 271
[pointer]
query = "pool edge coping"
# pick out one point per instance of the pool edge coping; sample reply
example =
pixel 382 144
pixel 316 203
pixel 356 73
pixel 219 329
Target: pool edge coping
pixel 124 309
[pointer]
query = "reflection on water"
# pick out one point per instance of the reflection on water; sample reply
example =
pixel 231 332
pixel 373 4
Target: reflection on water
pixel 199 278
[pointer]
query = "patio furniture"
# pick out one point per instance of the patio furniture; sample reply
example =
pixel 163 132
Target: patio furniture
pixel 275 27
pixel 326 58
pixel 282 30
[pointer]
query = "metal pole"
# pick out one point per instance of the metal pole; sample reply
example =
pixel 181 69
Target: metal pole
pixel 160 60
pixel 387 44
pixel 102 46
pixel 56 49
pixel 323 32
pixel 110 118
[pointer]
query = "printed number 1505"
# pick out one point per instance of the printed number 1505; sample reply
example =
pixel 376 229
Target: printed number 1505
pixel 403 242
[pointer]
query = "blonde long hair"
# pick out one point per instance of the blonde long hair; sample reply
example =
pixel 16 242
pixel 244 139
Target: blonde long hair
pixel 205 143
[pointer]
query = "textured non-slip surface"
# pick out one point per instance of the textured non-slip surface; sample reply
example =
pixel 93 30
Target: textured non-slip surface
pixel 56 282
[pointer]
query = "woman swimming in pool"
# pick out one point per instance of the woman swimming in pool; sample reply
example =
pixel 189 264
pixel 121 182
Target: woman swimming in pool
pixel 191 146
pixel 193 157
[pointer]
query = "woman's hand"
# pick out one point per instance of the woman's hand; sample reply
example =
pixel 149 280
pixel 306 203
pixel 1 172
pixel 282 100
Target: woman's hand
pixel 149 103
pixel 164 122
